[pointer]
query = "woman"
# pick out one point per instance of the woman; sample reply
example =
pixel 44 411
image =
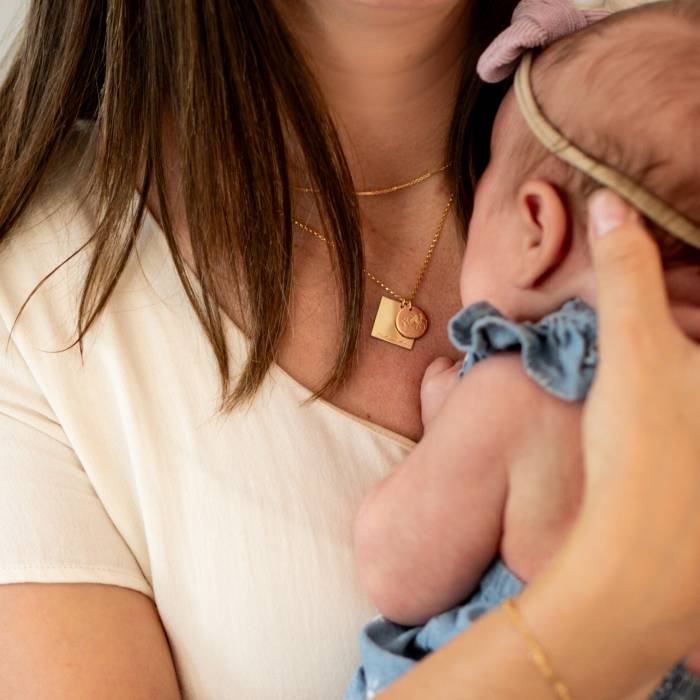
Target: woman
pixel 175 144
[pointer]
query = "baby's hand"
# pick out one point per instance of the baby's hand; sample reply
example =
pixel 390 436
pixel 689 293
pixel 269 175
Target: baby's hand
pixel 439 379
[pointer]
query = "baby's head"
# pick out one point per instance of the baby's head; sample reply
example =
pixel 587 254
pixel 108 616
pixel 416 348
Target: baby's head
pixel 627 92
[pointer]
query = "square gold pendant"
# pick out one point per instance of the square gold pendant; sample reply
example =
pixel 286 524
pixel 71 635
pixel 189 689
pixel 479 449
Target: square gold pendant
pixel 385 324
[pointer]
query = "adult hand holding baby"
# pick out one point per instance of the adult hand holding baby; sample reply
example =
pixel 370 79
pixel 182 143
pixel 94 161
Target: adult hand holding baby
pixel 641 419
pixel 618 605
pixel 635 546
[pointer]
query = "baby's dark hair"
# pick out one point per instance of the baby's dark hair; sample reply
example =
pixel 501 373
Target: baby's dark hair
pixel 627 92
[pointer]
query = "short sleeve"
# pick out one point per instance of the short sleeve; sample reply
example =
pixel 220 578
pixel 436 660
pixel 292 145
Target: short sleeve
pixel 53 526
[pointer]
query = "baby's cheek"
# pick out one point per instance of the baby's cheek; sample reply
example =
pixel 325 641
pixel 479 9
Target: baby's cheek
pixel 486 276
pixel 463 282
pixel 467 275
pixel 477 264
pixel 471 286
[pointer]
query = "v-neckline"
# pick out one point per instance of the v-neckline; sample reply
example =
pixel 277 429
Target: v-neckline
pixel 232 329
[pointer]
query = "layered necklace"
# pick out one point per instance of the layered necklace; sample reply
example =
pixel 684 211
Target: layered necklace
pixel 398 320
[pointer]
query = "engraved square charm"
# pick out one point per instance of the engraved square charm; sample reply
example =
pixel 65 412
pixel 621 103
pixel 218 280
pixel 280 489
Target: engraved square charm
pixel 385 324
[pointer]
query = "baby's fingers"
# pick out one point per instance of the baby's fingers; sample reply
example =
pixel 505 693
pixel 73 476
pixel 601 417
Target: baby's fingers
pixel 437 366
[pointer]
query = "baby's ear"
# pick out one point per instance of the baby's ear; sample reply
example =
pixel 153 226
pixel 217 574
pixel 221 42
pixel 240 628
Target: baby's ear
pixel 544 232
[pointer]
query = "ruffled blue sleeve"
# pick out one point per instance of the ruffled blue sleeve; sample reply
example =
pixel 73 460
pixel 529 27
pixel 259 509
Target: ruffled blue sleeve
pixel 559 352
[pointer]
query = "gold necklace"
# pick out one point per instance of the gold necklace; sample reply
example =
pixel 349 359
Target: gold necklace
pixel 388 190
pixel 398 321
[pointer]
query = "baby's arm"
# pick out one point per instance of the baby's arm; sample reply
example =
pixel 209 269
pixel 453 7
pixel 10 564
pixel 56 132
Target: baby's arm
pixel 425 534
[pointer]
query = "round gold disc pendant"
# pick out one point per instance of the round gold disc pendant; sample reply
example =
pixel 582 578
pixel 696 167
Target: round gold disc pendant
pixel 411 322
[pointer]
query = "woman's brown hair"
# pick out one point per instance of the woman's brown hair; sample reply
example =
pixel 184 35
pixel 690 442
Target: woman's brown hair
pixel 231 78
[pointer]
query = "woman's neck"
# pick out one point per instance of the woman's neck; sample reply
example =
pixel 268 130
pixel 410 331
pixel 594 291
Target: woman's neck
pixel 389 76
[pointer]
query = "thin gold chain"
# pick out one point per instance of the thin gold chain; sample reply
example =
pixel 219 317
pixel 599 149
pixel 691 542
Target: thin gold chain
pixel 388 190
pixel 405 300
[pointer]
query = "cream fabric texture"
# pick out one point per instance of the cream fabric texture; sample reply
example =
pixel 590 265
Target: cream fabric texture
pixel 118 470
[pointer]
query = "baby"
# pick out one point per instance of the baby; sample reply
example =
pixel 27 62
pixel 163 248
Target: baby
pixel 489 494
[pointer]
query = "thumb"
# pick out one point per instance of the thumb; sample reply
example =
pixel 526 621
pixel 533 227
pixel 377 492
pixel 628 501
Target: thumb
pixel 630 289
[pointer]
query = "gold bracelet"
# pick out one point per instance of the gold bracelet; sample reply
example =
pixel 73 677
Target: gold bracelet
pixel 537 653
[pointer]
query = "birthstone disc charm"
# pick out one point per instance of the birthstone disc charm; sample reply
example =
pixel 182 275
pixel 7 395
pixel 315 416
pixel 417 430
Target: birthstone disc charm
pixel 411 322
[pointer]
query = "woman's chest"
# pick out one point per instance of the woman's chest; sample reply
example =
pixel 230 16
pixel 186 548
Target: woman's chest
pixel 384 386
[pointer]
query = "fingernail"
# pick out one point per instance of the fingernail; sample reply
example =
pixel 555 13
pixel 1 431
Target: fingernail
pixel 606 211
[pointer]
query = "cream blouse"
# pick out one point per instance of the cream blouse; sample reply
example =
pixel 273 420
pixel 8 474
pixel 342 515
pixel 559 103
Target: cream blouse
pixel 118 470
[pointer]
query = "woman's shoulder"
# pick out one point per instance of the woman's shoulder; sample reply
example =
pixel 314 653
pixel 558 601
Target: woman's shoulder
pixel 53 228
pixel 62 186
pixel 146 327
pixel 47 255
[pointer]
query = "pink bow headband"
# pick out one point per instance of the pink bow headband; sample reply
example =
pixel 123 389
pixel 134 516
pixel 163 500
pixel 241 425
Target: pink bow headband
pixel 536 24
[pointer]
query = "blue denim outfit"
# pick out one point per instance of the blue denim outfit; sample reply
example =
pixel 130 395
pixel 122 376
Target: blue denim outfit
pixel 558 352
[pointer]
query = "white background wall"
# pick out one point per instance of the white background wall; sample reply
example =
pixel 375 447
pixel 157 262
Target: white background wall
pixel 11 14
